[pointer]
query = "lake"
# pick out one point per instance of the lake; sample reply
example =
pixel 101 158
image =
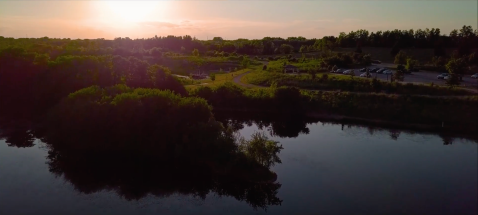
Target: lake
pixel 326 168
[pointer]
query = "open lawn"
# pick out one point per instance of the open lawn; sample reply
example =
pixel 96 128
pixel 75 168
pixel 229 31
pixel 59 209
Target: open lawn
pixel 327 81
pixel 220 79
pixel 264 78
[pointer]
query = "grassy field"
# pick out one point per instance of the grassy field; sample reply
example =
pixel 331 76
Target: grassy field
pixel 220 79
pixel 324 81
pixel 257 76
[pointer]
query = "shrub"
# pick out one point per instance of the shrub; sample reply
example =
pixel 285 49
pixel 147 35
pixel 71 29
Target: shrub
pixel 128 119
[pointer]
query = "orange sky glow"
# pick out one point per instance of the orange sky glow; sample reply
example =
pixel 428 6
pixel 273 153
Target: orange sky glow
pixel 229 19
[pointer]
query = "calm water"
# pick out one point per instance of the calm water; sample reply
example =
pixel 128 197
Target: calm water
pixel 331 170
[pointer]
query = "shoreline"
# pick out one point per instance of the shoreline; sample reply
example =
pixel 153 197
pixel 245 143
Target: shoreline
pixel 323 116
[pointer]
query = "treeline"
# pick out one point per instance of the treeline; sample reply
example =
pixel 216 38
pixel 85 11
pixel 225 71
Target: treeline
pixel 462 39
pixel 34 80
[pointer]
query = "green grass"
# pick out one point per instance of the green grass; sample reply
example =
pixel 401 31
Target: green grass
pixel 277 65
pixel 345 83
pixel 199 59
pixel 265 78
pixel 220 80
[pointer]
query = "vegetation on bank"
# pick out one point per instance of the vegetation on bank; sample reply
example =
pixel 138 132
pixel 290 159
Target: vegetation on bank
pixel 346 83
pixel 123 116
pixel 457 113
pixel 121 127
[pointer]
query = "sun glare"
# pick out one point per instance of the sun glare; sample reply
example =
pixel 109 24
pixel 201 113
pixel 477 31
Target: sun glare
pixel 130 11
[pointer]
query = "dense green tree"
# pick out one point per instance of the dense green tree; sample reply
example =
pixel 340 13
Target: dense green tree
pixel 245 62
pixel 400 58
pixel 303 49
pixel 261 149
pixel 195 52
pixel 286 49
pixel 456 67
pixel 411 64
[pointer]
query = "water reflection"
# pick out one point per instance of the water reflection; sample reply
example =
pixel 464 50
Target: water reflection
pixel 134 174
pixel 277 125
pixel 23 135
pixel 134 178
pixel 292 126
pixel 312 174
pixel 17 134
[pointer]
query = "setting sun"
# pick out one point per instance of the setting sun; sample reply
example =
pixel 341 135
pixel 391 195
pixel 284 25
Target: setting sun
pixel 131 11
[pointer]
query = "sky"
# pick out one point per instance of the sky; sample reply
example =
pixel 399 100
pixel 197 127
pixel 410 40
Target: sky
pixel 230 19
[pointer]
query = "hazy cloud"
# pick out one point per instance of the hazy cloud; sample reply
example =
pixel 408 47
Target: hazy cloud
pixel 160 24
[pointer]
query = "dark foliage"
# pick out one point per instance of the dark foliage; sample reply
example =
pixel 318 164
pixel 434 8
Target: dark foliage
pixel 456 112
pixel 32 80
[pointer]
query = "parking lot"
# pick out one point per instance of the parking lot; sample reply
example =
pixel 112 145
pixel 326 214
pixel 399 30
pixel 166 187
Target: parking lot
pixel 424 77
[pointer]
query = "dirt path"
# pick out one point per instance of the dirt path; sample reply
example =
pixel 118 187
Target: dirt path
pixel 237 80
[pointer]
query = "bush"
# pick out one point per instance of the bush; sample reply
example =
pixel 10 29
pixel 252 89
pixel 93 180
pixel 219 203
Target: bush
pixel 129 119
pixel 400 58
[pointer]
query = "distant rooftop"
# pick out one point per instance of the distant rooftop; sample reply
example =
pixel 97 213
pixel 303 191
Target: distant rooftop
pixel 290 66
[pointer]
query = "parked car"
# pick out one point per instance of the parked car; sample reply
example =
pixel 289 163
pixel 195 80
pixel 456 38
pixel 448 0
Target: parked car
pixel 346 72
pixel 446 77
pixel 387 72
pixel 380 71
pixel 374 69
pixel 475 76
pixel 442 76
pixel 362 70
pixel 366 75
pixel 339 71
